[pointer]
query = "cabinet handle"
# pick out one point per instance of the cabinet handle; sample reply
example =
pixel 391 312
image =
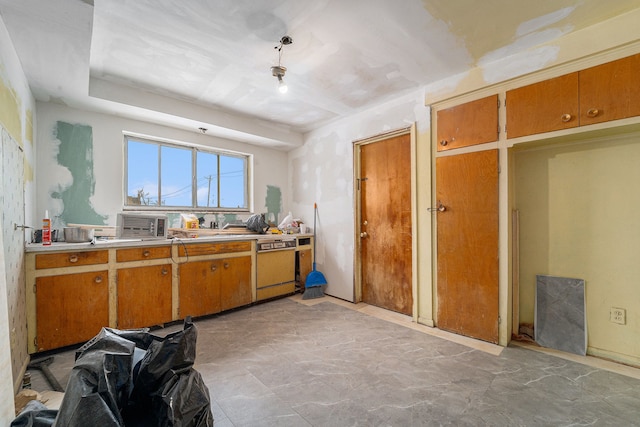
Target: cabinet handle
pixel 226 265
pixel 213 267
pixel 98 279
pixel 73 258
pixel 165 271
pixel 566 118
pixel 444 142
pixel 146 254
pixel 593 112
pixel 302 254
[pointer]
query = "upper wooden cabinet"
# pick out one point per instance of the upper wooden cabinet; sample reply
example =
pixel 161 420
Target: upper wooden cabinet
pixel 610 91
pixel 543 107
pixel 472 123
pixel 598 94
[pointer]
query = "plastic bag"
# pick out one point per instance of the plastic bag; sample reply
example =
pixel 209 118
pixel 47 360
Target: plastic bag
pixel 257 223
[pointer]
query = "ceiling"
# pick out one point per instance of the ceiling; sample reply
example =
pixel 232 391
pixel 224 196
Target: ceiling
pixel 206 63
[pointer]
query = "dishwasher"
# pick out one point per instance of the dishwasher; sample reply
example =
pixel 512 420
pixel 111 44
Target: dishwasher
pixel 275 267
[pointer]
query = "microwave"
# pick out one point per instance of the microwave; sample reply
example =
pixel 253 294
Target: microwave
pixel 141 226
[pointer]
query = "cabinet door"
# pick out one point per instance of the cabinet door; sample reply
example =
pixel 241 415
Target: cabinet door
pixel 610 91
pixel 71 308
pixel 235 285
pixel 144 296
pixel 543 107
pixel 472 123
pixel 199 288
pixel 304 265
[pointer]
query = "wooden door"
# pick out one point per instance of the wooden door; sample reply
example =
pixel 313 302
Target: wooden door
pixel 467 267
pixel 610 91
pixel 199 288
pixel 71 308
pixel 385 203
pixel 471 123
pixel 144 296
pixel 543 107
pixel 235 283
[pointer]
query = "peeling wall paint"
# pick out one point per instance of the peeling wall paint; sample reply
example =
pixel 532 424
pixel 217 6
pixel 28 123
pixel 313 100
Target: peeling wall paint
pixel 75 153
pixel 10 109
pixel 273 203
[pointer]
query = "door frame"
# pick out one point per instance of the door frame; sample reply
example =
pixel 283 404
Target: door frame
pixel 357 268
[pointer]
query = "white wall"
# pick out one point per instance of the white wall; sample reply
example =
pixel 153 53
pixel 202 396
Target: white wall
pixel 270 166
pixel 16 127
pixel 322 171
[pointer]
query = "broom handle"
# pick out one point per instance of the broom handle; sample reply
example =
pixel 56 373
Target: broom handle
pixel 315 214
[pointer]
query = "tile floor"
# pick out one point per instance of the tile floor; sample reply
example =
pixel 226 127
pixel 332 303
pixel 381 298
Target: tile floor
pixel 326 362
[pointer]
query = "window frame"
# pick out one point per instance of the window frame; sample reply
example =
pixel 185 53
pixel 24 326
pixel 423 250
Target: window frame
pixel 194 149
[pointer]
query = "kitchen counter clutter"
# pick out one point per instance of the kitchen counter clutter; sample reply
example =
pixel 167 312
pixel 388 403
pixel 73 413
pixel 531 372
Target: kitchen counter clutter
pixel 75 289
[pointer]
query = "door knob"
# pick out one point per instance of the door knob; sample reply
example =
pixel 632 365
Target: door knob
pixel 440 208
pixel 364 234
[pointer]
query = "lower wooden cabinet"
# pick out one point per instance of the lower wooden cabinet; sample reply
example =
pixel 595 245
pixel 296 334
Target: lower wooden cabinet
pixel 70 308
pixel 208 287
pixel 144 296
pixel 199 288
pixel 305 262
pixel 235 282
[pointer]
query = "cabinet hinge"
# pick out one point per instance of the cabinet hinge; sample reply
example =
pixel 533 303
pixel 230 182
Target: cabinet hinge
pixel 499 320
pixel 35 341
pixel 34 288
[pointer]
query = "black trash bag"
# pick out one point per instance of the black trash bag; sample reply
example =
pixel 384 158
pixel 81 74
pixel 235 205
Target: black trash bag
pixel 35 414
pixel 167 391
pixel 100 382
pixel 257 223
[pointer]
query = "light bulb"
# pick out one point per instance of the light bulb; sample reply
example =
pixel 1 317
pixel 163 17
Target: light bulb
pixel 282 86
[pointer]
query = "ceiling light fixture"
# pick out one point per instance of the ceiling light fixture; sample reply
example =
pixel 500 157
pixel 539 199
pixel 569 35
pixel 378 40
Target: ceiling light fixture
pixel 279 70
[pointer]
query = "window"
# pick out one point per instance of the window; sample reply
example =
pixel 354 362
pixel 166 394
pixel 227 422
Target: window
pixel 162 175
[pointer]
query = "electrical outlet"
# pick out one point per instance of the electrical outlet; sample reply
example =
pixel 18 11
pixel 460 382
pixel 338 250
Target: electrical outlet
pixel 618 315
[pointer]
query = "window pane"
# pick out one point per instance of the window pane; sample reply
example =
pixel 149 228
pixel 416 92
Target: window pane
pixel 232 182
pixel 176 177
pixel 142 173
pixel 207 170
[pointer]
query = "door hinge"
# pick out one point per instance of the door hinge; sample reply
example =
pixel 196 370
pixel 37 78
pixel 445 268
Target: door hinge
pixel 35 341
pixel 499 320
pixel 34 288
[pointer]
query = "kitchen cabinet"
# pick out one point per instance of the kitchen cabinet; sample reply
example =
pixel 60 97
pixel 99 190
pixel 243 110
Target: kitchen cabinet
pixel 610 91
pixel 211 286
pixel 144 296
pixel 304 265
pixel 70 308
pixel 467 124
pixel 199 288
pixel 543 107
pixel 235 282
pixel 594 95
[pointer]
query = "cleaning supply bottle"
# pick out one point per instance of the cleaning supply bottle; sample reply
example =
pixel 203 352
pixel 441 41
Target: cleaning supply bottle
pixel 46 229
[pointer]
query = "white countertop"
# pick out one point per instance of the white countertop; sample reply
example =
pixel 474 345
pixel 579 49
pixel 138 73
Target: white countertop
pixel 118 243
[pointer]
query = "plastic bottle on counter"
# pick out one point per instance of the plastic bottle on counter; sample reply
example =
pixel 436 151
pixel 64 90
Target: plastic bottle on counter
pixel 46 229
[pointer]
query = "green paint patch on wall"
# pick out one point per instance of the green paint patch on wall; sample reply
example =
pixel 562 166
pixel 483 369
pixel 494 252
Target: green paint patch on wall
pixel 273 203
pixel 76 154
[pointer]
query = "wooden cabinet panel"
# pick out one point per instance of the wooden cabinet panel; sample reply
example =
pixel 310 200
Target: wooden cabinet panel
pixel 71 259
pixel 235 282
pixel 304 265
pixel 543 107
pixel 610 91
pixel 472 123
pixel 193 249
pixel 199 288
pixel 70 308
pixel 140 254
pixel 144 296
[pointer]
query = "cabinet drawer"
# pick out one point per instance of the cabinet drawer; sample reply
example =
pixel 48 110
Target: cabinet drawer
pixel 139 254
pixel 194 249
pixel 71 259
